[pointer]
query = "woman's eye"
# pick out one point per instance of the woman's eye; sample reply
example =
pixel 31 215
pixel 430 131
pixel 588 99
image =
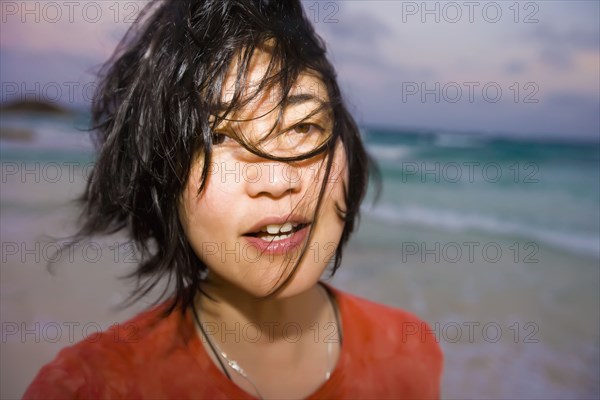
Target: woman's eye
pixel 218 138
pixel 304 128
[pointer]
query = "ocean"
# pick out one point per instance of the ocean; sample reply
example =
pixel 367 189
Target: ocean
pixel 494 240
pixel 546 192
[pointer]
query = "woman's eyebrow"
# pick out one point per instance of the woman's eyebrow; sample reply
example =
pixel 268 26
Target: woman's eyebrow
pixel 302 98
pixel 291 100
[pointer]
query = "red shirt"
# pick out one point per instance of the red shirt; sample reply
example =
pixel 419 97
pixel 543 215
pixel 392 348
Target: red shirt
pixel 385 353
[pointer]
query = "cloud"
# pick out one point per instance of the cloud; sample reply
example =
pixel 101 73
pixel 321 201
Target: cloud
pixel 66 78
pixel 515 67
pixel 363 29
pixel 70 27
pixel 556 59
pixel 559 47
pixel 574 38
pixel 359 48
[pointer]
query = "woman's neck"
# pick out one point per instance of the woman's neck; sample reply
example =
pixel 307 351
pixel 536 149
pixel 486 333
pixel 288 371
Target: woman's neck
pixel 284 346
pixel 233 313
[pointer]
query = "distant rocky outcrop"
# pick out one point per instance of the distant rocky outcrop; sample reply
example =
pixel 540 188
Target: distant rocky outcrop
pixel 35 106
pixel 16 134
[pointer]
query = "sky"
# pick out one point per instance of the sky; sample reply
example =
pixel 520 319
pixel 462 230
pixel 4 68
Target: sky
pixel 521 68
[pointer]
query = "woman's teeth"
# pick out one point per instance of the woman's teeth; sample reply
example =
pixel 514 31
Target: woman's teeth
pixel 276 232
pixel 272 238
pixel 274 228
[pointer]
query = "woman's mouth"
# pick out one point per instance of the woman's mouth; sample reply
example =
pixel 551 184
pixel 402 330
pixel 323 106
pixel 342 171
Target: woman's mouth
pixel 277 232
pixel 278 239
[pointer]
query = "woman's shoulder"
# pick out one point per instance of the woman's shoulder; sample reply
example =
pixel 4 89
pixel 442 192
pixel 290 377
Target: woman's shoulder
pixel 387 327
pixel 149 328
pixel 85 369
pixel 390 346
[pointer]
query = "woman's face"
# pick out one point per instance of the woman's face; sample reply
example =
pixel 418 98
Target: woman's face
pixel 246 195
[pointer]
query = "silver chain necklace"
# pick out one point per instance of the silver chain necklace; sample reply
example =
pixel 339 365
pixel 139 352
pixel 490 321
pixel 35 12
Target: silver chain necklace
pixel 238 369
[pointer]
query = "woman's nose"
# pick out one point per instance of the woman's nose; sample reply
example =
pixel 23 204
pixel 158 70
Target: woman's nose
pixel 274 179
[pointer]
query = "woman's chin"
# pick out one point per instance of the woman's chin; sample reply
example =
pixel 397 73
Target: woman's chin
pixel 277 288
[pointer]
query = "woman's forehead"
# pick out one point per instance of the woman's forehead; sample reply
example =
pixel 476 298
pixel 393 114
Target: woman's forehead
pixel 308 86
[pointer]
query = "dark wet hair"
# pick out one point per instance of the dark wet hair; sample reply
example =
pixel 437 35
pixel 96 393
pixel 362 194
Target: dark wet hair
pixel 152 114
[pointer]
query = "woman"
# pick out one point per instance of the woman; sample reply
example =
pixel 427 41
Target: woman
pixel 226 151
